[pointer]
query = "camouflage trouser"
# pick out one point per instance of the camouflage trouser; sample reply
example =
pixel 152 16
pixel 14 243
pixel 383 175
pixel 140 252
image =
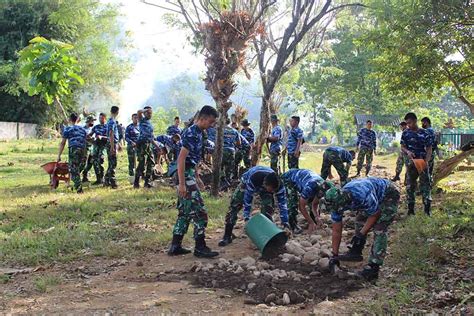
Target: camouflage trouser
pixel 76 162
pixel 332 158
pixel 275 161
pixel 400 163
pixel 191 208
pixel 293 162
pixel 388 208
pixel 365 152
pixel 242 155
pixel 228 162
pixel 111 166
pixel 98 159
pixel 89 161
pixel 237 203
pixel 431 165
pixel 292 196
pixel 425 184
pixel 132 158
pixel 146 160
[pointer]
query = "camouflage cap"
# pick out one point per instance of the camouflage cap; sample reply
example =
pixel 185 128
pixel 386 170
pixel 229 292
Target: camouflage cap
pixel 273 117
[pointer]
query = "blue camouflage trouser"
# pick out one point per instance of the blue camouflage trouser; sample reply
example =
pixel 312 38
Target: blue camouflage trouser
pixel 191 208
pixel 363 153
pixel 388 209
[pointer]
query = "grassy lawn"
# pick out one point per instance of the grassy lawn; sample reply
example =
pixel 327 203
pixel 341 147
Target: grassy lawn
pixel 38 225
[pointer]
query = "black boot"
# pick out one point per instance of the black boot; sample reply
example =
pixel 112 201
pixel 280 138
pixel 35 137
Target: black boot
pixel 203 251
pixel 355 251
pixel 370 272
pixel 428 208
pixel 227 239
pixel 147 184
pixel 411 209
pixel 113 184
pixel 295 229
pixel 98 181
pixel 85 178
pixel 396 178
pixel 176 249
pixel 136 183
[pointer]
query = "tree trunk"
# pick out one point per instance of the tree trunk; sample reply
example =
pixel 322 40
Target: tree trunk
pixel 445 168
pixel 218 149
pixel 264 130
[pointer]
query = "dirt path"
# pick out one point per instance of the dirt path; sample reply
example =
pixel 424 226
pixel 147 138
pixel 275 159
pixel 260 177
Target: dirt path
pixel 153 284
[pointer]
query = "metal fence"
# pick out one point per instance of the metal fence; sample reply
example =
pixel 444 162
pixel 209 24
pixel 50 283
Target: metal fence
pixel 454 140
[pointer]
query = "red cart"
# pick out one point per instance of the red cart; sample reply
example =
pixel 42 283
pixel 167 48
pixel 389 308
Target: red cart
pixel 58 171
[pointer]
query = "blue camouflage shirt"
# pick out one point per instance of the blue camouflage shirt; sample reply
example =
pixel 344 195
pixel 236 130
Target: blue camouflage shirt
pixel 99 130
pixel 165 140
pixel 231 136
pixel 342 153
pixel 432 134
pixel 146 130
pixel 249 135
pixel 131 134
pixel 366 138
pixel 75 135
pixel 276 146
pixel 243 142
pixel 192 141
pixel 416 142
pixel 253 181
pixel 366 195
pixel 211 134
pixel 294 136
pixel 112 125
pixel 173 130
pixel 306 182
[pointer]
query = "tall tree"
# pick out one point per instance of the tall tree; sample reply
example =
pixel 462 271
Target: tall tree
pixel 425 46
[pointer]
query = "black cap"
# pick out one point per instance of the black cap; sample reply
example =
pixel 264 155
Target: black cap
pixel 273 117
pixel 245 122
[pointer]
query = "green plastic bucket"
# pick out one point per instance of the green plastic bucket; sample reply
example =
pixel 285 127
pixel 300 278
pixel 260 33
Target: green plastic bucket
pixel 268 238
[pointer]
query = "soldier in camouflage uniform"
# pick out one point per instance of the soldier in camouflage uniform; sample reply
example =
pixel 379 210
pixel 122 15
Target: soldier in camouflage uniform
pixel 426 124
pixel 75 135
pixel 401 159
pixel 131 137
pixel 146 140
pixel 276 141
pixel 113 146
pixel 295 139
pixel 366 143
pixel 99 132
pixel 249 135
pixel 240 153
pixel 337 157
pixel 302 189
pixel 190 204
pixel 231 140
pixel 257 180
pixel 377 201
pixel 417 143
pixel 89 157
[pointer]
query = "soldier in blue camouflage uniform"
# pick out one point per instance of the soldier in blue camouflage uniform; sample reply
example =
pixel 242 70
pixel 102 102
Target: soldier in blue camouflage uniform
pixel 295 139
pixel 231 140
pixel 249 135
pixel 401 159
pixel 417 143
pixel 131 137
pixel 337 157
pixel 426 124
pixel 174 129
pixel 113 146
pixel 366 143
pixel 89 157
pixel 257 180
pixel 376 201
pixel 99 132
pixel 276 142
pixel 75 135
pixel 145 155
pixel 303 186
pixel 190 203
pixel 240 152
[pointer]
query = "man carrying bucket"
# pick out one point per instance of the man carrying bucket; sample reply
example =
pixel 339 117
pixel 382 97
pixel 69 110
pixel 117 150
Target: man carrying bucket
pixel 307 185
pixel 416 143
pixel 265 182
pixel 376 201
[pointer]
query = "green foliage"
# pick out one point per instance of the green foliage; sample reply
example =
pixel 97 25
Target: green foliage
pixel 50 68
pixel 162 118
pixel 44 283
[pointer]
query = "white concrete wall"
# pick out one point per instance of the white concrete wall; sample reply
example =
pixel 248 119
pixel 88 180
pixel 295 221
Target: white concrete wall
pixel 14 130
